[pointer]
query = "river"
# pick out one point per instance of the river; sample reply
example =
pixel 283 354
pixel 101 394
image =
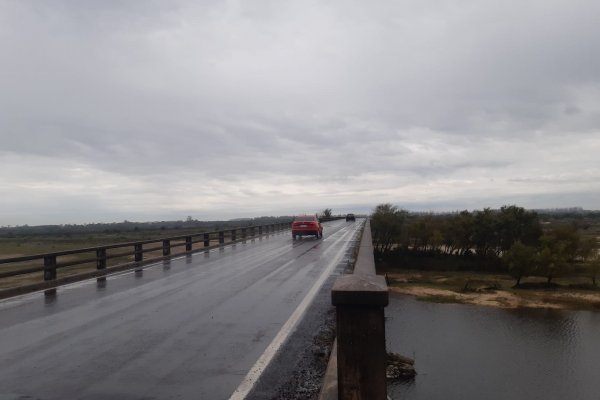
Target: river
pixel 472 352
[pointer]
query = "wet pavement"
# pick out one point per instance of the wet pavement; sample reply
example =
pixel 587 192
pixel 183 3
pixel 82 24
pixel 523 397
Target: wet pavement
pixel 188 328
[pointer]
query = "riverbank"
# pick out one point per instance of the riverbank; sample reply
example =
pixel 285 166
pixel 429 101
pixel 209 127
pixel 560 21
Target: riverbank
pixel 487 290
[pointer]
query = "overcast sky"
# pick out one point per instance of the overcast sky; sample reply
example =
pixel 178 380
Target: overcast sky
pixel 151 110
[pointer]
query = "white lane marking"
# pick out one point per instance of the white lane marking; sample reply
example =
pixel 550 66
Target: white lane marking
pixel 255 372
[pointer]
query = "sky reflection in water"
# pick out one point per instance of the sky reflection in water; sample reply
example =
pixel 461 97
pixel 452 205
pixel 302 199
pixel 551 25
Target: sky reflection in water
pixel 471 352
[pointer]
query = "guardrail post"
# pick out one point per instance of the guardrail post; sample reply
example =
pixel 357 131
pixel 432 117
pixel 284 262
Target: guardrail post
pixel 359 300
pixel 166 247
pixel 138 251
pixel 260 230
pixel 188 243
pixel 243 233
pixel 101 259
pixel 221 237
pixel 206 239
pixel 49 268
pixel 253 231
pixel 233 237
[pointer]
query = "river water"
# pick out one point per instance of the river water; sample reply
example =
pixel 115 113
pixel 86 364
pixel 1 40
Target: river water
pixel 472 352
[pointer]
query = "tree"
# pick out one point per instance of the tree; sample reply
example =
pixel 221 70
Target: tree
pixel 520 260
pixel 421 232
pixel 326 213
pixel 517 224
pixel 594 267
pixel 552 261
pixel 387 222
pixel 485 235
pixel 558 249
pixel 459 232
pixel 587 248
pixel 564 239
pixel 437 239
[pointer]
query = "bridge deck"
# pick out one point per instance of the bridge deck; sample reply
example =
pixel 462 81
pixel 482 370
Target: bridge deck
pixel 187 328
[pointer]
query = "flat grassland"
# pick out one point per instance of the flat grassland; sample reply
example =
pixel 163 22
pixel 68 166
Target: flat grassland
pixel 21 245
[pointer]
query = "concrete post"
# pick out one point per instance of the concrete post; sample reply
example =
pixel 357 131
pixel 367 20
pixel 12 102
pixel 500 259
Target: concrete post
pixel 166 247
pixel 359 300
pixel 188 243
pixel 49 268
pixel 137 249
pixel 361 356
pixel 206 240
pixel 101 259
pixel 221 237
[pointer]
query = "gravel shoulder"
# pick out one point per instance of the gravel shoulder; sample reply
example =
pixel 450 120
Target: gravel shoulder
pixel 297 371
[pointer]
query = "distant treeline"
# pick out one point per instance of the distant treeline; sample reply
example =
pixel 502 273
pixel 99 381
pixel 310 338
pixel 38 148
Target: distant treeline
pixel 510 239
pixel 129 226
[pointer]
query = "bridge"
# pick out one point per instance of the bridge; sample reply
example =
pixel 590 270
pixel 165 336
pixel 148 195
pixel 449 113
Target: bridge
pixel 220 320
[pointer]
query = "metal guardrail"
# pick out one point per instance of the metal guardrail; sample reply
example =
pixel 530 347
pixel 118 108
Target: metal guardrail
pixel 100 255
pixel 361 356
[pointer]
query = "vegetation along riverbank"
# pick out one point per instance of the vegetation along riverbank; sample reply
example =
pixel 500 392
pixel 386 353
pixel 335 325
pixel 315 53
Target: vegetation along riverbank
pixel 507 258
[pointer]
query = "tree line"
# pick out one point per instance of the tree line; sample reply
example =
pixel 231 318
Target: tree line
pixel 510 239
pixel 132 226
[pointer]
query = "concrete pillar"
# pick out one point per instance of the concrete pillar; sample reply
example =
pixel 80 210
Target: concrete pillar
pixel 49 268
pixel 101 259
pixel 137 249
pixel 361 357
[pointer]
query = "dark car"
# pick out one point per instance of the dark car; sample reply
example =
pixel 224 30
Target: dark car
pixel 350 217
pixel 307 225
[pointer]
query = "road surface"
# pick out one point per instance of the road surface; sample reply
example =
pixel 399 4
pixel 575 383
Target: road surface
pixel 198 327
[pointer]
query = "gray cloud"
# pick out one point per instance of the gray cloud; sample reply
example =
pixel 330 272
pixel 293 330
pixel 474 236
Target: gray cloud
pixel 229 108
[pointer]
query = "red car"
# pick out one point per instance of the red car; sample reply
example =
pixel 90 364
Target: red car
pixel 307 225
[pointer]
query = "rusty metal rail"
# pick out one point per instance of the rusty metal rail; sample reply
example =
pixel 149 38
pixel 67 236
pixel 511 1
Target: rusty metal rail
pixel 99 256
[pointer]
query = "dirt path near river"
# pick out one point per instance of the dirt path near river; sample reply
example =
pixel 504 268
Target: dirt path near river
pixel 500 298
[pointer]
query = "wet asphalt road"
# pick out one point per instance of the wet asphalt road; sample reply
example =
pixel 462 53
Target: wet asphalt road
pixel 188 328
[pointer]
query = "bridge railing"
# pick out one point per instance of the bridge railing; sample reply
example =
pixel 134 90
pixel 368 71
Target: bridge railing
pixel 360 299
pixel 101 260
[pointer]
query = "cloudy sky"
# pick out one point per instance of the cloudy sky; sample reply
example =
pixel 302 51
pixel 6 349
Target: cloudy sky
pixel 151 110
